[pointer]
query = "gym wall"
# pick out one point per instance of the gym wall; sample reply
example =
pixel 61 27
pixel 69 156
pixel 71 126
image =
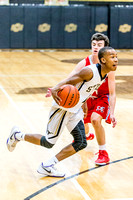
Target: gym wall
pixel 64 26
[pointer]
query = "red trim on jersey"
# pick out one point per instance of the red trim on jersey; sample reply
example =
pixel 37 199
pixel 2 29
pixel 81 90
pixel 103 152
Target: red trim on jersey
pixel 87 61
pixel 103 89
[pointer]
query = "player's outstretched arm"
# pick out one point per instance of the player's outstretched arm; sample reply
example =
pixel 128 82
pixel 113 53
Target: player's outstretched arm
pixel 84 74
pixel 78 67
pixel 112 97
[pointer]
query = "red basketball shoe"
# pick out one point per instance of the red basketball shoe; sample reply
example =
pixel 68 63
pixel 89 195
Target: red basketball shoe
pixel 103 158
pixel 90 136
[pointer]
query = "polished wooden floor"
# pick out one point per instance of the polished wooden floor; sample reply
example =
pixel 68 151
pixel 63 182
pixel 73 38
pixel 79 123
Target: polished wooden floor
pixel 24 79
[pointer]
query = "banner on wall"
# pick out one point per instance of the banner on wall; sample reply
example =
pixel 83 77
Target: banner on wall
pixel 56 2
pixel 4 2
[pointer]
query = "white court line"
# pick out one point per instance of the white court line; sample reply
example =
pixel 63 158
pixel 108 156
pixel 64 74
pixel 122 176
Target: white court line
pixel 77 185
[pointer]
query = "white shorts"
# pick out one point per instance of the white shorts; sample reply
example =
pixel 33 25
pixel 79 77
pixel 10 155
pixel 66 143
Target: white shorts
pixel 58 119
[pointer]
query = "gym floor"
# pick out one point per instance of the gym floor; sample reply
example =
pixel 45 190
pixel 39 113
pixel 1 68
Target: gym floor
pixel 25 76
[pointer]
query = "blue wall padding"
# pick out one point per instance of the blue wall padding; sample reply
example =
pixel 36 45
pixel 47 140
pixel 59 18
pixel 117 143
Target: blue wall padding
pixel 30 27
pixel 17 19
pixel 4 27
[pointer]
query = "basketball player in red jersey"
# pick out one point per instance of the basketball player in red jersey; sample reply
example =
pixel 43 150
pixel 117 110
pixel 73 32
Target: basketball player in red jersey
pixel 102 103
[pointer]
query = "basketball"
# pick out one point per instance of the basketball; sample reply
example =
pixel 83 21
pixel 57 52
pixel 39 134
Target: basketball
pixel 69 95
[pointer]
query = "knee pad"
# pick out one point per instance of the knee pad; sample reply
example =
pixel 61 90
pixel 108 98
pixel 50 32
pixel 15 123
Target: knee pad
pixel 78 146
pixel 79 137
pixel 45 143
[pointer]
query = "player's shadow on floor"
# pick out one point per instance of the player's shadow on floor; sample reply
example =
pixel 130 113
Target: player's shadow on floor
pixel 124 88
pixel 35 90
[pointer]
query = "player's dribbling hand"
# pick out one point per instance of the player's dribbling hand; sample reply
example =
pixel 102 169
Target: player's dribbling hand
pixel 54 93
pixel 48 94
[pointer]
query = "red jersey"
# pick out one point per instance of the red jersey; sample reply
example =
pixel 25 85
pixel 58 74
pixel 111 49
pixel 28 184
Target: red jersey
pixel 100 104
pixel 103 89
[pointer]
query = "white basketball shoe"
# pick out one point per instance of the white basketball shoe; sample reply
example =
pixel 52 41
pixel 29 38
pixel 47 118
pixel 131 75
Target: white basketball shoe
pixel 49 171
pixel 12 140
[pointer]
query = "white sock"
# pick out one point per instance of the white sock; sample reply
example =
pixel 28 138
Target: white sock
pixel 52 161
pixel 20 136
pixel 102 147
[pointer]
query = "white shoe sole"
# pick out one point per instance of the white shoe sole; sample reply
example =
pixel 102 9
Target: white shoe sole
pixel 100 164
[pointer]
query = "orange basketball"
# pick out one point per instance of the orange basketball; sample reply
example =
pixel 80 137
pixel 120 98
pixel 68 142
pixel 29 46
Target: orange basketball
pixel 69 96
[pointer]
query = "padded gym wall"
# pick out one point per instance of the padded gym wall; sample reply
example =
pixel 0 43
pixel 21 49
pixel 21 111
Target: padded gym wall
pixel 44 27
pixel 69 17
pixel 84 26
pixel 4 27
pixel 99 19
pixel 17 27
pixel 30 27
pixel 51 26
pixel 57 27
pixel 64 26
pixel 121 31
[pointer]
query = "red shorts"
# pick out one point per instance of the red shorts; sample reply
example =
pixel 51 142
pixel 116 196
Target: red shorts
pixel 99 105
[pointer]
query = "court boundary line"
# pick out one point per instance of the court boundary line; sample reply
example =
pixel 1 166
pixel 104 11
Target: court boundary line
pixel 72 176
pixel 76 184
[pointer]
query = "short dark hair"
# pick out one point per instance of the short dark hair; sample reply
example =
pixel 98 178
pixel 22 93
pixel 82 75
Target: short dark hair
pixel 102 52
pixel 100 36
